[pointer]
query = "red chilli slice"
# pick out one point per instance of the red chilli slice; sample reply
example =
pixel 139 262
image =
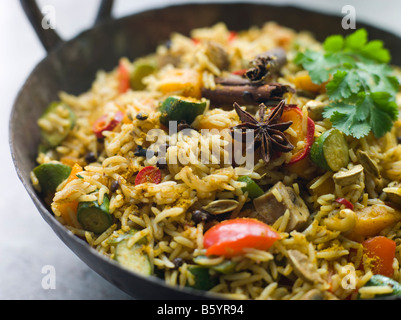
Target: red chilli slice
pixel 104 123
pixel 346 203
pixel 149 174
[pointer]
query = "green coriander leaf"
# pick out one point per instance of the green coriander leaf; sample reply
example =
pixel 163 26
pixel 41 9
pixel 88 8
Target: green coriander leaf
pixel 343 85
pixel 379 128
pixel 356 40
pixel 338 88
pixel 361 85
pixel 338 108
pixel 318 64
pixel 378 77
pixel 342 122
pixel 383 101
pixel 363 106
pixel 349 125
pixel 374 50
pixel 333 43
pixel 360 129
pixel 364 112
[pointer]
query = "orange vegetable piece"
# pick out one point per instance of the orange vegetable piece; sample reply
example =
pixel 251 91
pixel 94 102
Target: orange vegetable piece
pixel 303 81
pixel 294 114
pixel 371 220
pixel 381 251
pixel 68 210
pixel 185 82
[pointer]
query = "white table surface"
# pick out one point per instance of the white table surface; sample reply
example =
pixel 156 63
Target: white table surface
pixel 27 243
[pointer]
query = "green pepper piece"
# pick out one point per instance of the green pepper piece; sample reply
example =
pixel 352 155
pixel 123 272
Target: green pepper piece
pixel 203 279
pixel 53 132
pixel 251 187
pixel 226 267
pixel 94 217
pixel 50 175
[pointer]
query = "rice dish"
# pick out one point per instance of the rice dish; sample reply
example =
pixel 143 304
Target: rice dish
pixel 215 163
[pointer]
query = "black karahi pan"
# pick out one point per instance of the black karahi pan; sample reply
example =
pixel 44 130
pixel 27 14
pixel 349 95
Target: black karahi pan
pixel 71 66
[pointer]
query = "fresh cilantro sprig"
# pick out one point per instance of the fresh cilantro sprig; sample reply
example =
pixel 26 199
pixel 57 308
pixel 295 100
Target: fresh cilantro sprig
pixel 360 84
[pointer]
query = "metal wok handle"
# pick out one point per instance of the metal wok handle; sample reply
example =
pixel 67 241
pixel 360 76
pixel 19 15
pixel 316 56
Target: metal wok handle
pixel 48 36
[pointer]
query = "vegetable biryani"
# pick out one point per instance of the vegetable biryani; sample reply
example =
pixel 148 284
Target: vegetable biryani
pixel 257 164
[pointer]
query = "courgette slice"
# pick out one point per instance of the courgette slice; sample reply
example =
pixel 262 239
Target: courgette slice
pixel 94 217
pixel 50 175
pixel 378 280
pixel 56 123
pixel 177 108
pixel 141 69
pixel 330 150
pixel 133 258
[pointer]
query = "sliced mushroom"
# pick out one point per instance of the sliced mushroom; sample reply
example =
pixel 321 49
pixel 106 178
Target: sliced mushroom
pixel 276 201
pixel 221 206
pixel 368 163
pixel 394 193
pixel 217 55
pixel 354 175
pixel 303 267
pixel 315 109
pixel 313 294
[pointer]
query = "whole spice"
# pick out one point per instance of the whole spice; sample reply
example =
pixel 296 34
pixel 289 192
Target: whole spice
pixel 266 64
pixel 201 215
pixel 142 116
pixel 268 133
pixel 237 89
pixel 90 157
pixel 251 86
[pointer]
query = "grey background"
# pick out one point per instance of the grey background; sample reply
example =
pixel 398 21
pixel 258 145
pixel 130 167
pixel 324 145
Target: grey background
pixel 27 244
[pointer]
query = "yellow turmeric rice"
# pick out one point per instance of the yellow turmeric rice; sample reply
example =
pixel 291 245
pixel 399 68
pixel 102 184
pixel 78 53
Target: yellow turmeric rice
pixel 147 167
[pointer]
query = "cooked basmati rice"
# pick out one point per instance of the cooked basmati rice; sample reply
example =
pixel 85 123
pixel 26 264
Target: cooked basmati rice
pixel 195 176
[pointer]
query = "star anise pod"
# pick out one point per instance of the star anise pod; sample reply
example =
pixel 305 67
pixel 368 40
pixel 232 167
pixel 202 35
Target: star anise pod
pixel 268 132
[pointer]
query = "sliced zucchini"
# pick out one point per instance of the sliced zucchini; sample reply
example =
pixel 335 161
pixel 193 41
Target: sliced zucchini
pixel 94 217
pixel 330 150
pixel 141 69
pixel 56 123
pixel 50 175
pixel 251 187
pixel 133 258
pixel 378 280
pixel 177 108
pixel 204 280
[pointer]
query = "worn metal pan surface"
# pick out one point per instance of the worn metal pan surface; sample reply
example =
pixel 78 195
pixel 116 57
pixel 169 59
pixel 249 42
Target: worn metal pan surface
pixel 71 66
